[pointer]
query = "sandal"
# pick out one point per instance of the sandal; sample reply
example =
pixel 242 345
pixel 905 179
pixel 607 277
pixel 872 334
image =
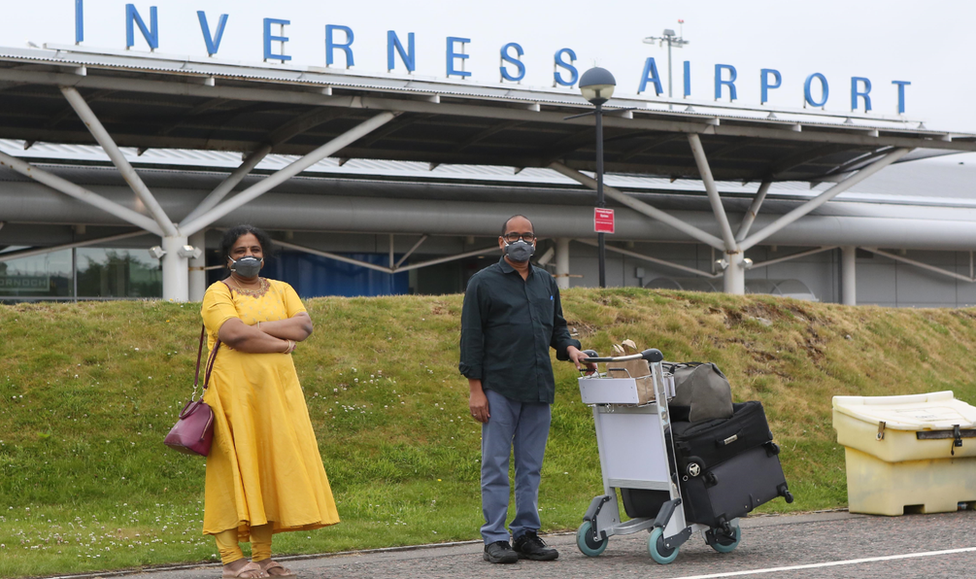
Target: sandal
pixel 279 570
pixel 249 571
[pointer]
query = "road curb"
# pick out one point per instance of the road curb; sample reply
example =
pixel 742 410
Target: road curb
pixel 765 520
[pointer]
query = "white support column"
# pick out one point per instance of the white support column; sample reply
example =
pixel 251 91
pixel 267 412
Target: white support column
pixel 464 255
pixel 848 275
pixel 118 159
pixel 735 273
pixel 198 275
pixel 396 269
pixel 734 281
pixel 7 256
pixel 175 270
pixel 262 187
pixel 824 197
pixel 712 190
pixel 791 256
pixel 641 207
pixel 334 256
pixel 404 257
pixel 650 259
pixel 229 183
pixel 753 211
pixel 80 193
pixel 919 264
pixel 562 263
pixel 283 134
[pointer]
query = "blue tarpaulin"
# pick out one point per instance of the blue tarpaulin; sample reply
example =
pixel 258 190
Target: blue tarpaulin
pixel 313 275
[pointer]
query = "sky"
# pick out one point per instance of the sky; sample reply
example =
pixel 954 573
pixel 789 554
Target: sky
pixel 929 44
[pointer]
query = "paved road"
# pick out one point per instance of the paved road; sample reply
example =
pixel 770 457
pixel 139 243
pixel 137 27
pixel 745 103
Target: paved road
pixel 817 546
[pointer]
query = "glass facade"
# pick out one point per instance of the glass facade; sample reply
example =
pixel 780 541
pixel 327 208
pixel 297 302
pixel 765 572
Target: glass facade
pixel 82 273
pixel 100 273
pixel 49 275
pixel 117 273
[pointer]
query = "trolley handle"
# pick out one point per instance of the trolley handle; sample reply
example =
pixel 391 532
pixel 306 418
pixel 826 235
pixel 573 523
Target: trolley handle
pixel 652 355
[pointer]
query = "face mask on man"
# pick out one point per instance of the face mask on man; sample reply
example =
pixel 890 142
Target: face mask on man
pixel 246 266
pixel 519 251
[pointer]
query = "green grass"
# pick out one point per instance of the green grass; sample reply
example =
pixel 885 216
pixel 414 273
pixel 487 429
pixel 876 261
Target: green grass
pixel 87 392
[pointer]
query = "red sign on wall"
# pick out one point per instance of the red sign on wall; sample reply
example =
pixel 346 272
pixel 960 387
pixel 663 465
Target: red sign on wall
pixel 602 220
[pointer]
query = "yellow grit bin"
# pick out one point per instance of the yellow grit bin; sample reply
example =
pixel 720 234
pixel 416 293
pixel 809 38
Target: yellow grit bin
pixel 907 454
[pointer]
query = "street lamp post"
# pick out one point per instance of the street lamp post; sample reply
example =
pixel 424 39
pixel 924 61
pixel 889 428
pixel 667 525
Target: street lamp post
pixel 673 40
pixel 597 86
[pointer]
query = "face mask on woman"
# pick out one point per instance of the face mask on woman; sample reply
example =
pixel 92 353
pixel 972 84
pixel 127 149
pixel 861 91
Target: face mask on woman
pixel 519 251
pixel 246 266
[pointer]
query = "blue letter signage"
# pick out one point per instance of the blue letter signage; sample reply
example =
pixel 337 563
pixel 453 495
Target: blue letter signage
pixel 764 84
pixel 901 94
pixel 151 34
pixel 409 56
pixel 268 39
pixel 79 21
pixel 650 75
pixel 729 83
pixel 506 57
pixel 511 67
pixel 213 42
pixel 557 79
pixel 856 93
pixel 687 78
pixel 331 44
pixel 451 55
pixel 808 97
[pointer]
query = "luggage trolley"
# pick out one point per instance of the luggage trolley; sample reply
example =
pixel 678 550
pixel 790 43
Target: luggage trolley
pixel 636 454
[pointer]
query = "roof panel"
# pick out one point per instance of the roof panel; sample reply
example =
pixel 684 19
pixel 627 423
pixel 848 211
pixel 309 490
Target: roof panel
pixel 944 181
pixel 155 101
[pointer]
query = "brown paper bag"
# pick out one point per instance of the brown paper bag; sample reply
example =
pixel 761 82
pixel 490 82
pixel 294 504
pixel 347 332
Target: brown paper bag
pixel 638 369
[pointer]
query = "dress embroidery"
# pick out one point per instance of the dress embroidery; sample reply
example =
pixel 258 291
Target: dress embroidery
pixel 254 293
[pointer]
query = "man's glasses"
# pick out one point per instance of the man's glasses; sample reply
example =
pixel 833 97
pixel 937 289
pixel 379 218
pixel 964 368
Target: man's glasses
pixel 512 236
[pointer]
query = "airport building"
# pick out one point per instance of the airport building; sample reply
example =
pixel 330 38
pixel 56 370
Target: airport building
pixel 120 169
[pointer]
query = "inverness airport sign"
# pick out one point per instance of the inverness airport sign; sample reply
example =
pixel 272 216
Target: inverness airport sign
pixel 339 51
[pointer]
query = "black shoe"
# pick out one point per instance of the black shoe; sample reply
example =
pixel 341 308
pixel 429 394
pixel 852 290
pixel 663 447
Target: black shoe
pixel 500 552
pixel 530 546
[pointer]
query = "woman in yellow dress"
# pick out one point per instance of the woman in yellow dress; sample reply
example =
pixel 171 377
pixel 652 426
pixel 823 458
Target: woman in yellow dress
pixel 264 471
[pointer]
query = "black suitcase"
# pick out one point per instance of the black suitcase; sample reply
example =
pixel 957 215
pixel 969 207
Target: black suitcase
pixel 700 446
pixel 735 487
pixel 643 503
pixel 703 449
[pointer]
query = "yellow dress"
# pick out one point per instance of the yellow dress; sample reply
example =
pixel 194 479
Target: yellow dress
pixel 264 464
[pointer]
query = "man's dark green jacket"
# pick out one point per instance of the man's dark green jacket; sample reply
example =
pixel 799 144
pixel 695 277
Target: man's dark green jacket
pixel 507 327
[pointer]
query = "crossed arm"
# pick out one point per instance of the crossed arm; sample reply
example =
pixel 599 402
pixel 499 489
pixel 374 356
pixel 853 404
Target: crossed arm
pixel 266 337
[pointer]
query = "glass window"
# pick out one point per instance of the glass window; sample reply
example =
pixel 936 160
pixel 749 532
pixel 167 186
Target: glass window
pixel 45 275
pixel 118 273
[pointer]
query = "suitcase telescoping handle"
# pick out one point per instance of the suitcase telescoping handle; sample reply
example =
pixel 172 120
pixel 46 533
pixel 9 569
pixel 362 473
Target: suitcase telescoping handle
pixel 652 355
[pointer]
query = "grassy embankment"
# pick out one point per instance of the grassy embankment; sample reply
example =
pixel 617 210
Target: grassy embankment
pixel 87 391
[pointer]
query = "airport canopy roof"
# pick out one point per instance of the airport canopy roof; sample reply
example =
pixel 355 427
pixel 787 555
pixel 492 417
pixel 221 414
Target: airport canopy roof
pixel 151 101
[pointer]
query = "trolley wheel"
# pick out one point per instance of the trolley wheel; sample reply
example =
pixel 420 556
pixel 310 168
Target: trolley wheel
pixel 585 542
pixel 724 544
pixel 659 552
pixel 695 467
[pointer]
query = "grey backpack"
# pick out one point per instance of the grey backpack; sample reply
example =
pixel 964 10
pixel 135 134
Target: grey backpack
pixel 703 388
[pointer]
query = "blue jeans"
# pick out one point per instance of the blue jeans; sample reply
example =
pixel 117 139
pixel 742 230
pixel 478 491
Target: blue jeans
pixel 523 426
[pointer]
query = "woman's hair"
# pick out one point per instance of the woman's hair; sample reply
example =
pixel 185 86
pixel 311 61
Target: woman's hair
pixel 234 233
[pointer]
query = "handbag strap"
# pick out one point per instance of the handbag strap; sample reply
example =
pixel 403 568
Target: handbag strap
pixel 212 358
pixel 196 375
pixel 210 363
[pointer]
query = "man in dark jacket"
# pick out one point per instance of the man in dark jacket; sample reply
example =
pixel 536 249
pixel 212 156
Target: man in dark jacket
pixel 511 317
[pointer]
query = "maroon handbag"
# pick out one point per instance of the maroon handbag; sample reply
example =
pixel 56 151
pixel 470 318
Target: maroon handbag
pixel 193 432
